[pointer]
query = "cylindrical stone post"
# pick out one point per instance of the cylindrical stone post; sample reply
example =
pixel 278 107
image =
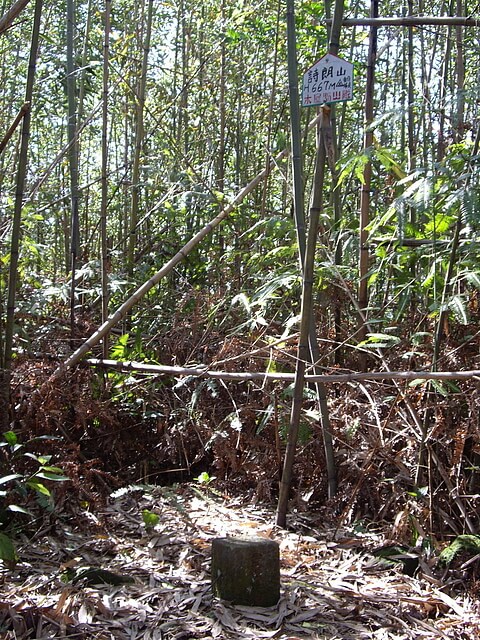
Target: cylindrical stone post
pixel 246 571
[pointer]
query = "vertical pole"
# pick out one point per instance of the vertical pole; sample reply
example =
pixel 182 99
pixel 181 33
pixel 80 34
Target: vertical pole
pixel 72 158
pixel 299 214
pixel 367 178
pixel 307 340
pixel 104 183
pixel 296 143
pixel 6 361
pixel 460 73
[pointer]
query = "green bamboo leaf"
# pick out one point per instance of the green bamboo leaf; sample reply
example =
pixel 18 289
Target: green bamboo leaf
pixel 473 278
pixel 38 487
pixel 457 305
pixel 12 476
pixel 54 477
pixel 18 509
pixel 379 341
pixel 355 165
pixel 382 220
pixel 51 469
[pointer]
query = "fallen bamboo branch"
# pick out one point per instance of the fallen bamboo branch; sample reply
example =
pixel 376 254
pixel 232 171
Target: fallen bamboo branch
pixel 204 372
pixel 410 21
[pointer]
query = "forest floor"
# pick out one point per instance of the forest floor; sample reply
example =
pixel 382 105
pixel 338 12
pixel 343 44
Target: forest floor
pixel 135 446
pixel 332 586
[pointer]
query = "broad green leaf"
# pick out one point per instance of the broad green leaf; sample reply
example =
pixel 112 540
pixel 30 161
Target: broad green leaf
pixel 38 487
pixel 382 220
pixel 439 225
pixel 11 438
pixel 33 456
pixel 385 157
pixel 204 478
pixel 356 166
pixel 120 348
pixel 55 470
pixel 439 387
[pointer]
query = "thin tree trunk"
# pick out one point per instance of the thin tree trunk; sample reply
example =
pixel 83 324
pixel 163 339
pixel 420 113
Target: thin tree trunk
pixel 337 217
pixel 365 193
pixel 442 317
pixel 459 123
pixel 443 97
pixel 222 116
pixel 84 62
pixel 297 164
pixel 411 99
pixel 139 141
pixel 270 109
pixel 103 212
pixel 16 228
pixel 72 157
pixel 302 349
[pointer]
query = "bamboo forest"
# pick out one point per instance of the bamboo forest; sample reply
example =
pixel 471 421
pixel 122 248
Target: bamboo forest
pixel 239 319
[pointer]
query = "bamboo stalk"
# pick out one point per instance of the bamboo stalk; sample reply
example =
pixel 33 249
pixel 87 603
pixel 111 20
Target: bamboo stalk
pixel 6 356
pixel 365 192
pixel 410 21
pixel 305 314
pixel 139 142
pixel 72 158
pixel 8 17
pixel 11 130
pixel 334 378
pixel 104 183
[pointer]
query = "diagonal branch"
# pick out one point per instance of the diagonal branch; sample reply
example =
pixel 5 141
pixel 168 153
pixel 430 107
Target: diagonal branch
pixel 8 17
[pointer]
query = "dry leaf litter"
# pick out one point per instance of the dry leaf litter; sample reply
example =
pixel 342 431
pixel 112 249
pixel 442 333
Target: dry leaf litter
pixel 332 588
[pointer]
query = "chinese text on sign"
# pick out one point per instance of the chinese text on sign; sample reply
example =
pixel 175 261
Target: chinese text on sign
pixel 328 80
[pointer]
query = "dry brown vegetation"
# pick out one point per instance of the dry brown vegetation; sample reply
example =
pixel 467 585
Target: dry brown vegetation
pixel 125 430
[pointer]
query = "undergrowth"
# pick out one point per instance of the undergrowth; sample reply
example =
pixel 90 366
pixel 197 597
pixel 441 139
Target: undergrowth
pixel 407 457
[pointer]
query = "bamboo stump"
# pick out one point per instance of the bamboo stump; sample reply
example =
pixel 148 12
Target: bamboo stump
pixel 246 571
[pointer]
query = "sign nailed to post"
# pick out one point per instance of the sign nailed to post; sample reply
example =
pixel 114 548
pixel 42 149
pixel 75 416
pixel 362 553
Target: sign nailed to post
pixel 328 80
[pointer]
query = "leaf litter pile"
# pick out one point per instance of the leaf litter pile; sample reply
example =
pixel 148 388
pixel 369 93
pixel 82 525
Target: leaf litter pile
pixel 123 549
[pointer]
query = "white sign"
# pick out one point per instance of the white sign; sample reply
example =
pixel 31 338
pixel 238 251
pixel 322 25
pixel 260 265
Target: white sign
pixel 328 80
